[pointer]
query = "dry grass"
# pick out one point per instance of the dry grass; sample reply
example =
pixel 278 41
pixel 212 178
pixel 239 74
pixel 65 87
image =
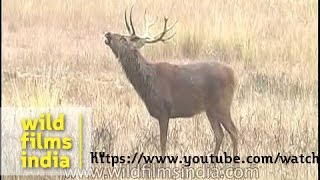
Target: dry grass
pixel 54 55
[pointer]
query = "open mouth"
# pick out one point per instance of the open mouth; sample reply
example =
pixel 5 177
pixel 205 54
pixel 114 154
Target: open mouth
pixel 107 40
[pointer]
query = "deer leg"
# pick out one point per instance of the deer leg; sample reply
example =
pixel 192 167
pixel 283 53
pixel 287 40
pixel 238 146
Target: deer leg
pixel 217 130
pixel 232 130
pixel 163 122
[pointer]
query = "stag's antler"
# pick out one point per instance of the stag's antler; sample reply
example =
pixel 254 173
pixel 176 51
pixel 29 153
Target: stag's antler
pixel 146 37
pixel 125 19
pixel 160 36
pixel 148 25
pixel 130 27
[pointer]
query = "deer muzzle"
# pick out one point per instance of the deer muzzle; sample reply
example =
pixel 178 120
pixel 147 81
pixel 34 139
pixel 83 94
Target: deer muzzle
pixel 108 38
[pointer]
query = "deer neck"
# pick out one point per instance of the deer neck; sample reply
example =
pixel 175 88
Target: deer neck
pixel 139 72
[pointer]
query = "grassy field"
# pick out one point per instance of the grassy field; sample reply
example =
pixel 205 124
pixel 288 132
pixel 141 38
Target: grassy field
pixel 54 55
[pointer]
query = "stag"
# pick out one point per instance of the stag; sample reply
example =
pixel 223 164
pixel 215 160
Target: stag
pixel 176 91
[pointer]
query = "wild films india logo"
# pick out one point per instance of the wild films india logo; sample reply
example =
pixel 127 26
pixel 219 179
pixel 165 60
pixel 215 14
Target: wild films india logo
pixel 33 138
pixel 45 142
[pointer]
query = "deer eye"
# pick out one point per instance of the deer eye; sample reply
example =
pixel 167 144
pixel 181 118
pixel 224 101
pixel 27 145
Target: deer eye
pixel 122 39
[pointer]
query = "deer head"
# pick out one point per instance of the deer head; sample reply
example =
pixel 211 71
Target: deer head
pixel 116 40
